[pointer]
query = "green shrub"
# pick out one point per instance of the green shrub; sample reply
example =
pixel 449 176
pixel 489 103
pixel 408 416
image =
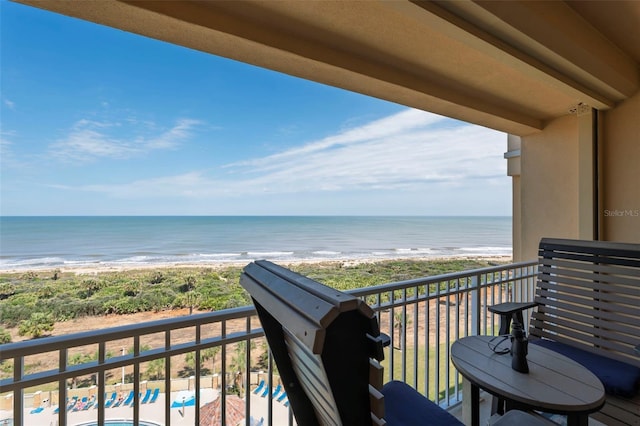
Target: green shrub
pixel 158 299
pixel 7 290
pixel 5 336
pixel 124 305
pixel 88 288
pixel 132 288
pixel 46 292
pixel 156 278
pixel 37 325
pixel 29 275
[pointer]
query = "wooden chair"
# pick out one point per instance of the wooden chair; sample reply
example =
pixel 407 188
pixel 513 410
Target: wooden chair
pixel 587 304
pixel 327 346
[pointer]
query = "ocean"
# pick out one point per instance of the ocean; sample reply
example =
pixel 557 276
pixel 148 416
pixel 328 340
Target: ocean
pixel 29 243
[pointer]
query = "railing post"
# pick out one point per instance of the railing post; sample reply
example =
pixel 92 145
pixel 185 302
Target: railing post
pixel 475 305
pixel 516 286
pixel 18 395
pixel 101 379
pixel 167 379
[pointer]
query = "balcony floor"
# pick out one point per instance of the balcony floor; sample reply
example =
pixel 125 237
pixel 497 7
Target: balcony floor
pixel 485 412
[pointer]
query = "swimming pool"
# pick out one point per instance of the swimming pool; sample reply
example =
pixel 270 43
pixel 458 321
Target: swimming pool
pixel 119 422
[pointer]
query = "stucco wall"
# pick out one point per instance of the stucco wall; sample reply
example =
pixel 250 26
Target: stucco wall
pixel 620 158
pixel 548 185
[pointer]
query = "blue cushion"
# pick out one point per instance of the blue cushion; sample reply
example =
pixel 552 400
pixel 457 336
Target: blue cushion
pixel 404 406
pixel 618 378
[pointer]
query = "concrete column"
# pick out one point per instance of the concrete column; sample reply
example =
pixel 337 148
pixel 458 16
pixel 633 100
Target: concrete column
pixel 513 169
pixel 587 172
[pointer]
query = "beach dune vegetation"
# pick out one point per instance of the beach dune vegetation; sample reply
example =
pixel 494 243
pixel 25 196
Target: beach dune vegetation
pixel 34 300
pixel 38 324
pixel 5 336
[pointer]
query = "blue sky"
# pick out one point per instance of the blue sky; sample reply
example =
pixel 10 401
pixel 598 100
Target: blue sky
pixel 96 121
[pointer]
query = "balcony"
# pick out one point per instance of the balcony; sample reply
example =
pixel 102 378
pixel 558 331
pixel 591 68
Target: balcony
pixel 198 359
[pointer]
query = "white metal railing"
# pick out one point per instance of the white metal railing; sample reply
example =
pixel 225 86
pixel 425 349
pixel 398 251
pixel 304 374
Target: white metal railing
pixel 422 317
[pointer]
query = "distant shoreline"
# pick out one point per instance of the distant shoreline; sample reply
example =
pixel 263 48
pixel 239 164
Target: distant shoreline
pixel 94 269
pixel 126 243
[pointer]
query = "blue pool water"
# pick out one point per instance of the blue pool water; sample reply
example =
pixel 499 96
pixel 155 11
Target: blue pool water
pixel 119 423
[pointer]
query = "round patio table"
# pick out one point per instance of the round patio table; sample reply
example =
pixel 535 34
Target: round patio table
pixel 554 384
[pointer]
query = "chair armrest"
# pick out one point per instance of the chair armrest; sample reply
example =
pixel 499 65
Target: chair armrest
pixel 378 343
pixel 386 340
pixel 510 311
pixel 510 308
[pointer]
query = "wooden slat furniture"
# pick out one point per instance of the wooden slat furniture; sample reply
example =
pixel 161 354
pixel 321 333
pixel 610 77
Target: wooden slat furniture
pixel 554 384
pixel 327 346
pixel 588 308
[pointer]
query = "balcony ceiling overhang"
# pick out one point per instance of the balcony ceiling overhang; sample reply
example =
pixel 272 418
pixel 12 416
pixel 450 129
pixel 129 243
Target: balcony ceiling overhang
pixel 511 66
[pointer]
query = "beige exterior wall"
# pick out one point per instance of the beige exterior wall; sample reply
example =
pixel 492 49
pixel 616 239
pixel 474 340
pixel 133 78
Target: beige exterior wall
pixel 548 186
pixel 554 181
pixel 620 168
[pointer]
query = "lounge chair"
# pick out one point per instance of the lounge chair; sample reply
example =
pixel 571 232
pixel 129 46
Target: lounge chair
pixel 109 402
pixel 71 403
pixel 265 392
pixel 276 392
pixel 186 402
pixel 129 398
pixel 36 410
pixel 156 392
pixel 282 397
pixel 120 400
pixel 327 347
pixel 259 387
pixel 146 397
pixel 89 403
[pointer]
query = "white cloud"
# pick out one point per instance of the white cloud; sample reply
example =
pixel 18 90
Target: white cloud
pixel 403 151
pixel 5 147
pixel 7 158
pixel 402 122
pixel 10 104
pixel 409 151
pixel 172 137
pixel 89 140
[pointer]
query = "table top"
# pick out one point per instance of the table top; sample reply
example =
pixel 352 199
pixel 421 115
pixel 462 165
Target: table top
pixel 555 383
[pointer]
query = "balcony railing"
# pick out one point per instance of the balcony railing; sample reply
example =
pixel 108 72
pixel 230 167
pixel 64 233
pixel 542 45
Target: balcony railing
pixel 422 317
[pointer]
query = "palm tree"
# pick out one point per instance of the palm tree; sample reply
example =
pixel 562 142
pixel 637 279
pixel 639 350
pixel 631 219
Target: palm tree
pixel 155 369
pixel 210 354
pixel 192 298
pixel 400 321
pixel 239 364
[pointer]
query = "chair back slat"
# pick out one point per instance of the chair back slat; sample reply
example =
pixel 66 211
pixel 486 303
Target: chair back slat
pixel 588 296
pixel 314 380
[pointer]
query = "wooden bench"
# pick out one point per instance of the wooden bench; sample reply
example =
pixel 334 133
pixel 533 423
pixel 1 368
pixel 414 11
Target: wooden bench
pixel 587 307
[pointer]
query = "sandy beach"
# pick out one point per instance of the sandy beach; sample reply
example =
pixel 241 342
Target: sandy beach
pixel 97 268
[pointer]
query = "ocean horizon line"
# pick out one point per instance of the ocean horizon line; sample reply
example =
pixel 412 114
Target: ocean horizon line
pixel 253 216
pixel 59 241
